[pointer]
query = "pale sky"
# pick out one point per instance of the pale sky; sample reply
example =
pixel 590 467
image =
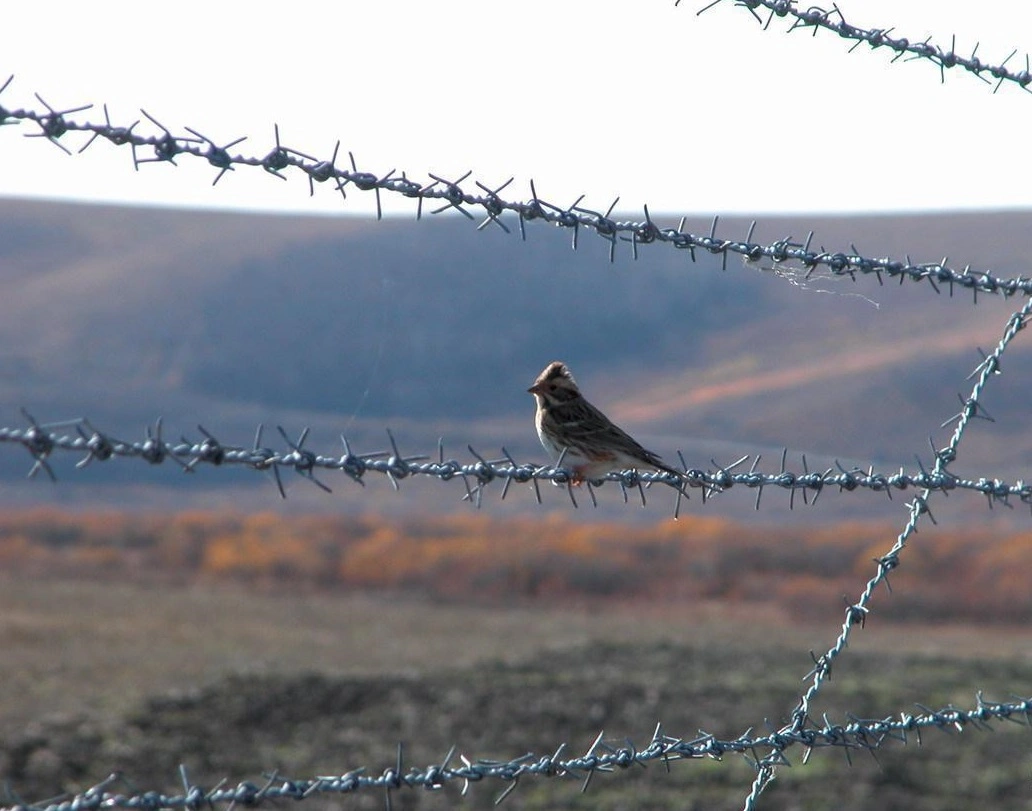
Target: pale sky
pixel 638 99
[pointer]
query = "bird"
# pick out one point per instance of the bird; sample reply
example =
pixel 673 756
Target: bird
pixel 593 444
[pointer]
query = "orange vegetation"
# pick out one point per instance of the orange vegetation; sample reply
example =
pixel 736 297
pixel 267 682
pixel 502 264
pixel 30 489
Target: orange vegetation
pixel 947 575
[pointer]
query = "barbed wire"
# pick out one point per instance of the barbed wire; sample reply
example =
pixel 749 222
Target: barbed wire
pixel 54 124
pixel 42 440
pixel 856 614
pixel 601 757
pixel 816 18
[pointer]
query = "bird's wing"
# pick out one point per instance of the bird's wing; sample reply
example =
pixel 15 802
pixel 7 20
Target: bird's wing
pixel 585 426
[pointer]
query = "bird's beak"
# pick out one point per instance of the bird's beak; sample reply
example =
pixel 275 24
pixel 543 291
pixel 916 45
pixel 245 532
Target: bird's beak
pixel 535 389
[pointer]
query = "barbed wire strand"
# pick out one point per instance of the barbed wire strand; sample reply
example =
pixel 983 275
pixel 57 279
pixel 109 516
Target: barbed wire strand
pixel 55 123
pixel 856 614
pixel 814 18
pixel 600 757
pixel 44 440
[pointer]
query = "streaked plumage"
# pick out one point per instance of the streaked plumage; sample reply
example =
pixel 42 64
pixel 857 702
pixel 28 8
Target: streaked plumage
pixel 594 445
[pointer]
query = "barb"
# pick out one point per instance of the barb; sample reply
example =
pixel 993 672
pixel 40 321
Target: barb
pixel 858 734
pixel 856 614
pixel 452 194
pixel 44 440
pixel 814 18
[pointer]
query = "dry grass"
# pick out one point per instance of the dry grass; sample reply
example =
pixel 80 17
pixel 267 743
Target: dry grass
pixel 101 647
pixel 312 682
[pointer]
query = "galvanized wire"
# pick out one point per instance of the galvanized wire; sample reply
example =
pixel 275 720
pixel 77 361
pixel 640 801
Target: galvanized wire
pixel 601 756
pixel 814 18
pixel 456 194
pixel 856 614
pixel 44 440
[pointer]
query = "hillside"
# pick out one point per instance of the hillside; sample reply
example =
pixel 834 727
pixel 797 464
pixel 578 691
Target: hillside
pixel 434 329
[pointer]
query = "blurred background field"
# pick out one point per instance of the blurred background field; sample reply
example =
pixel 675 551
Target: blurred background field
pixel 101 673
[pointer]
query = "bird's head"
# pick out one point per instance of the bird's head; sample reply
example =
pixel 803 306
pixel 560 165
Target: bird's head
pixel 555 385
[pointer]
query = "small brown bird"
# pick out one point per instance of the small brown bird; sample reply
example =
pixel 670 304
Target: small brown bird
pixel 594 445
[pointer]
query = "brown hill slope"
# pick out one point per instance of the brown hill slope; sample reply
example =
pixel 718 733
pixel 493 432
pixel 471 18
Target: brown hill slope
pixel 435 330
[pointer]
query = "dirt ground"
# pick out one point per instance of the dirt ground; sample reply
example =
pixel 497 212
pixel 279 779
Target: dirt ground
pixel 230 682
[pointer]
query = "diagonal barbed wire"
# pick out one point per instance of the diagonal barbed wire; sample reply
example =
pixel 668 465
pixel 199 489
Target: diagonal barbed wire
pixel 601 757
pixel 856 614
pixel 815 18
pixel 43 440
pixel 452 194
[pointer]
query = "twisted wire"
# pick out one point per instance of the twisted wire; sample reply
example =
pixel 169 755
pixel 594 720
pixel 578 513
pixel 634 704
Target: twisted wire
pixel 856 735
pixel 53 124
pixel 856 614
pixel 43 440
pixel 816 18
